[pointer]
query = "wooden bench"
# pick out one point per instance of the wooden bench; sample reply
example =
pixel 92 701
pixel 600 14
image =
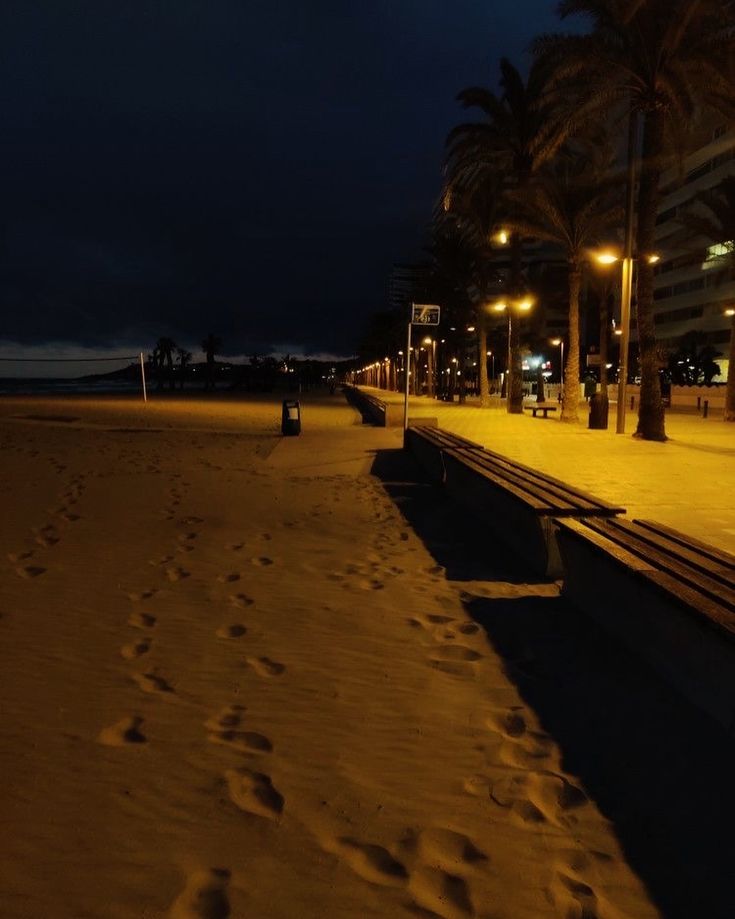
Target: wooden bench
pixel 670 598
pixel 544 407
pixel 384 414
pixel 517 503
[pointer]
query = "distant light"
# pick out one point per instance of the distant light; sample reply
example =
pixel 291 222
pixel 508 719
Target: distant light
pixel 489 353
pixel 401 353
pixel 652 259
pixel 470 328
pixel 618 331
pixel 730 312
pixel 606 258
pixel 556 341
pixel 500 307
pixel 525 305
pixel 501 237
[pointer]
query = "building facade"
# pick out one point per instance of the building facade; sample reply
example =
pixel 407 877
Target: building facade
pixel 693 284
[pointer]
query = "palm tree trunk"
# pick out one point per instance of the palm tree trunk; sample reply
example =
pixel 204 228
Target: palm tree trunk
pixel 515 370
pixel 730 388
pixel 604 340
pixel 570 397
pixel 482 364
pixel 651 407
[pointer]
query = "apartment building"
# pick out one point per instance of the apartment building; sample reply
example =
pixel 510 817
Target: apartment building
pixel 693 286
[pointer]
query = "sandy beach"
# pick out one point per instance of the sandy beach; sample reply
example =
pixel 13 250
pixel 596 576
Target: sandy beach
pixel 253 676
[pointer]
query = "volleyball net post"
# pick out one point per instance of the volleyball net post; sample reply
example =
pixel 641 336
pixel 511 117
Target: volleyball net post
pixel 142 376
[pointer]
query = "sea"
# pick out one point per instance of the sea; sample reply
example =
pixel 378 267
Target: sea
pixel 49 386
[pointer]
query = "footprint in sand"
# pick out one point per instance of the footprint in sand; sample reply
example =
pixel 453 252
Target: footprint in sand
pixel 261 561
pixel 70 518
pixel 573 897
pixel 455 660
pixel 236 630
pixel 142 620
pixel 444 848
pixel 370 584
pixel 174 573
pixel 47 536
pixel 30 571
pixel 528 751
pixel 441 893
pixel 225 729
pixel 241 600
pixel 151 682
pixel 229 578
pixel 265 667
pixel 143 595
pixel 537 797
pixel 204 896
pixel 510 723
pixel 135 649
pixel 254 792
pixel 19 556
pixel 125 731
pixel 371 862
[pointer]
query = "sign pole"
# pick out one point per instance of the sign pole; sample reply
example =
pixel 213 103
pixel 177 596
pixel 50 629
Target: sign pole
pixel 142 376
pixel 406 370
pixel 422 314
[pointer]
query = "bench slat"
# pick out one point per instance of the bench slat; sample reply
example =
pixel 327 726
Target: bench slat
pixel 553 488
pixel 685 567
pixel 679 583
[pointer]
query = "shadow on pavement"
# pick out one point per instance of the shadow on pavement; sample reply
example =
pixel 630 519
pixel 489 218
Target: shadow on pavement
pixel 657 768
pixel 456 540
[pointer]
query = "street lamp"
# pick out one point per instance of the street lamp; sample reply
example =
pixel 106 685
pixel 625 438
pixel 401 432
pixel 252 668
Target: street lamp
pixel 490 354
pixel 560 343
pixel 609 258
pixel 511 306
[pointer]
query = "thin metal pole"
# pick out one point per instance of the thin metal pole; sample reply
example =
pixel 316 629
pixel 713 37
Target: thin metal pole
pixel 627 273
pixel 142 376
pixel 406 372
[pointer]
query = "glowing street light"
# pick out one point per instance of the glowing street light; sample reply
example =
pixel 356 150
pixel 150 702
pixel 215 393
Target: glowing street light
pixel 609 258
pixel 515 368
pixel 560 343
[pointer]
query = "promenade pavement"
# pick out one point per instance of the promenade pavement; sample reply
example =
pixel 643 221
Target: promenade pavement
pixel 684 483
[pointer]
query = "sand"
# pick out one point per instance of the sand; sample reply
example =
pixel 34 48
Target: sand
pixel 250 676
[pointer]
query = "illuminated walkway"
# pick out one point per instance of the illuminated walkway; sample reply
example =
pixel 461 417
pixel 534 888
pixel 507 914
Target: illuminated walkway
pixel 684 483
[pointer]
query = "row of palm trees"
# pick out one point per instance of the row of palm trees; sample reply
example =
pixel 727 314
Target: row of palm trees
pixel 162 360
pixel 540 162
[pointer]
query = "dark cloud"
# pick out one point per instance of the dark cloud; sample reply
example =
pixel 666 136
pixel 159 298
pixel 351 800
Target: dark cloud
pixel 244 166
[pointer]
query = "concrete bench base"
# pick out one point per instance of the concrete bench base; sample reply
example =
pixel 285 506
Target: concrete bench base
pixel 516 503
pixel 660 620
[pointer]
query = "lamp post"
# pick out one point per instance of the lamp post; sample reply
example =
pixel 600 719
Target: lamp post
pixel 560 343
pixel 513 308
pixel 609 258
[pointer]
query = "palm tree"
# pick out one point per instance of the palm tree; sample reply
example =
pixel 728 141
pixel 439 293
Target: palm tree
pixel 184 360
pixel 713 216
pixel 473 208
pixel 165 348
pixel 573 204
pixel 519 134
pixel 665 59
pixel 211 345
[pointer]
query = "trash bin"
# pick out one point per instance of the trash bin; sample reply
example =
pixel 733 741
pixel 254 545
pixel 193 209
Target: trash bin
pixel 290 418
pixel 598 411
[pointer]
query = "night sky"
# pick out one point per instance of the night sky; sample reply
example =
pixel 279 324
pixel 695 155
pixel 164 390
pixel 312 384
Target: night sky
pixel 246 167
